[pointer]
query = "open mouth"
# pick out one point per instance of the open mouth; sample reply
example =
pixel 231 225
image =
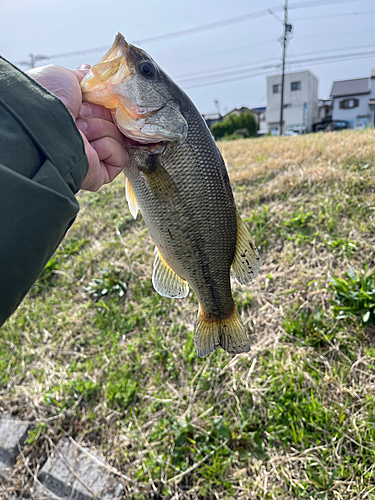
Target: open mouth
pixel 154 146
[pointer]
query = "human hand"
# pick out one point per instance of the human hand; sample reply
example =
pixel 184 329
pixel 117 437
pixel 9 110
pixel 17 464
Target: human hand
pixel 104 143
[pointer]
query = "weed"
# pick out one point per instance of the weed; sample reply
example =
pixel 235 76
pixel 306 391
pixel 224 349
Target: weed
pixel 114 365
pixel 341 246
pixel 355 295
pixel 310 326
pixel 47 277
pixel 259 222
pixel 299 220
pixel 110 283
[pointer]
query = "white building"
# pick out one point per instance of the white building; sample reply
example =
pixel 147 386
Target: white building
pixel 354 101
pixel 300 102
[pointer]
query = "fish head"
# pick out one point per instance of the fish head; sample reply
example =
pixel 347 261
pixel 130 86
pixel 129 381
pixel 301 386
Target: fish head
pixel 138 93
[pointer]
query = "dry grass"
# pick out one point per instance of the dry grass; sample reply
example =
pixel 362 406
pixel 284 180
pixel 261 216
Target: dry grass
pixel 294 418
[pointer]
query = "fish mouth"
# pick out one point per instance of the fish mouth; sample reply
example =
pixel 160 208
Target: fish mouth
pixel 116 83
pixel 153 147
pixel 144 128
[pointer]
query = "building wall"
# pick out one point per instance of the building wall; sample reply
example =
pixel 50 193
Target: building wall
pixel 300 106
pixel 324 109
pixel 361 113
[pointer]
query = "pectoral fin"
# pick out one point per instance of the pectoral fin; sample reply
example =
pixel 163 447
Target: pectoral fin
pixel 131 199
pixel 166 282
pixel 161 183
pixel 246 262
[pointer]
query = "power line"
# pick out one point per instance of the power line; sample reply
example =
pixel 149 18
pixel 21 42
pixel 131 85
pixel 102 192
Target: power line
pixel 207 27
pixel 351 33
pixel 343 57
pixel 240 70
pixel 197 29
pixel 168 36
pixel 311 61
pixel 340 49
pixel 343 14
pixel 222 71
pixel 319 3
pixel 235 79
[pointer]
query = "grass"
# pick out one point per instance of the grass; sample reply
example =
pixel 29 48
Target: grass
pixel 95 353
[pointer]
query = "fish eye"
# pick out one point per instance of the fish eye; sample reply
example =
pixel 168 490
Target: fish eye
pixel 147 69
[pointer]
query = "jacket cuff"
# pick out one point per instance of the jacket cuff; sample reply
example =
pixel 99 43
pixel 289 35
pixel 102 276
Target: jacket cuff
pixel 47 121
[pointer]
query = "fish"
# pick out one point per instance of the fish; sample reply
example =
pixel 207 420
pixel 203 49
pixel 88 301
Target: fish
pixel 176 177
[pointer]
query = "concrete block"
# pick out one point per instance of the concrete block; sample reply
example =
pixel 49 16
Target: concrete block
pixel 12 433
pixel 73 473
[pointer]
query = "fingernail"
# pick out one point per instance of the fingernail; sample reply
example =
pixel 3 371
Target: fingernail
pixel 84 66
pixel 86 110
pixel 81 125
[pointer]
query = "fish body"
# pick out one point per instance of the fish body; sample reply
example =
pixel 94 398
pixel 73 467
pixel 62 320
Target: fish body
pixel 177 177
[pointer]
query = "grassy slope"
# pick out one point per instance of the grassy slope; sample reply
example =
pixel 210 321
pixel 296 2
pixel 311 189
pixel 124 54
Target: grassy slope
pixel 94 352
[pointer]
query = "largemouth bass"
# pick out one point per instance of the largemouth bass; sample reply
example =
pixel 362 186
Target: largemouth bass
pixel 177 178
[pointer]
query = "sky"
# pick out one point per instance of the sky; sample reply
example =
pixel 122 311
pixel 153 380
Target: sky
pixel 237 41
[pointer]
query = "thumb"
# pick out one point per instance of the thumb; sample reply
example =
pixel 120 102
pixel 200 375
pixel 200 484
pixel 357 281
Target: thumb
pixel 81 71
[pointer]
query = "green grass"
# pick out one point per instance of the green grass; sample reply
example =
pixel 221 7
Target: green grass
pixel 96 353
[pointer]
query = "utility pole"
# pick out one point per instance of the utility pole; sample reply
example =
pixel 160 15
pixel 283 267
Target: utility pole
pixel 283 75
pixel 217 104
pixel 33 60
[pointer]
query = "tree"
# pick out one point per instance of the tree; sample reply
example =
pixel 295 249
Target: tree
pixel 233 126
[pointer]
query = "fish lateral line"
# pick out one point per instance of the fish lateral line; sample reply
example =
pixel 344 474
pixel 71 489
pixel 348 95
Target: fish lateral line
pixel 178 175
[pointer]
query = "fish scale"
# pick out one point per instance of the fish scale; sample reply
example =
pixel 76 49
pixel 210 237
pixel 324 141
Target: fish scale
pixel 178 179
pixel 203 208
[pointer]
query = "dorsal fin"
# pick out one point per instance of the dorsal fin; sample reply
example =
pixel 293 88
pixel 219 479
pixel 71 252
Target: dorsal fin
pixel 166 282
pixel 246 262
pixel 131 199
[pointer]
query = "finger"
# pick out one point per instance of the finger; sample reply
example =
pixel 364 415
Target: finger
pixel 81 71
pixel 89 110
pixel 112 154
pixel 84 67
pixel 97 128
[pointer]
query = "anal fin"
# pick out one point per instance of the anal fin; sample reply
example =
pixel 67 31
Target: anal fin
pixel 166 282
pixel 131 199
pixel 228 333
pixel 246 262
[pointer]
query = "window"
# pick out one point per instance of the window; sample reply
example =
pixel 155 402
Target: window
pixel 349 103
pixel 295 86
pixel 277 89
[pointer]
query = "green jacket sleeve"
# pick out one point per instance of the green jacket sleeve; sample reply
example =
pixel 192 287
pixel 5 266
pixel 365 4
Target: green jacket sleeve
pixel 42 166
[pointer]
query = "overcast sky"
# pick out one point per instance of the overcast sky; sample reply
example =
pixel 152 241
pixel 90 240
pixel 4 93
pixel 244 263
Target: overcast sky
pixel 321 29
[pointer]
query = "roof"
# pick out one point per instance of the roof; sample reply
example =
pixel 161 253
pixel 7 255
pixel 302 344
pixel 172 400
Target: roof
pixel 324 102
pixel 243 109
pixel 211 116
pixel 258 110
pixel 351 87
pixel 293 73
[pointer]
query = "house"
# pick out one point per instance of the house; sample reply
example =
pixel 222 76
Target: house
pixel 300 102
pixel 354 101
pixel 324 118
pixel 211 118
pixel 260 117
pixel 258 113
pixel 237 111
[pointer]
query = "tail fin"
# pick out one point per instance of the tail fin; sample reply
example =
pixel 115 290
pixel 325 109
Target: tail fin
pixel 228 333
